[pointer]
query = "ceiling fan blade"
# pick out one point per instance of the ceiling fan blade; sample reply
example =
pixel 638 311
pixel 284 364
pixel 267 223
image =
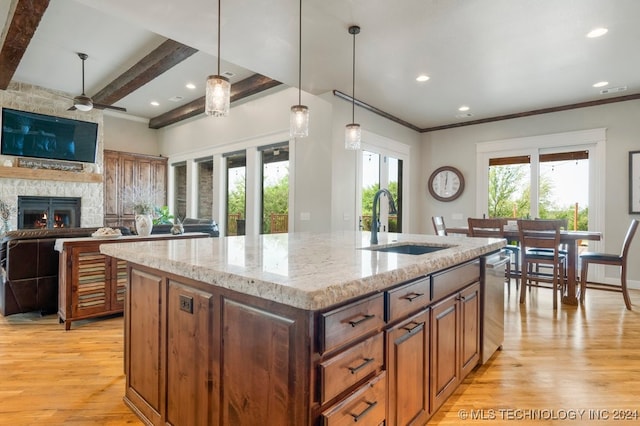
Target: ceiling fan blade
pixel 72 108
pixel 102 106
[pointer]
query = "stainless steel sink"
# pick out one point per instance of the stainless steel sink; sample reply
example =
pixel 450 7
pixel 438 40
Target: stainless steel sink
pixel 415 249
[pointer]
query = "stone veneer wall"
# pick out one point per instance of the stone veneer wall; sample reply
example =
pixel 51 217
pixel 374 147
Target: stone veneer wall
pixel 36 99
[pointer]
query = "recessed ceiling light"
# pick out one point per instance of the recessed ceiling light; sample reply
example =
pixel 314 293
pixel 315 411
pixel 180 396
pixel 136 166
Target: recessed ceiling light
pixel 155 103
pixel 190 86
pixel 463 108
pixel 422 77
pixel 597 32
pixel 600 84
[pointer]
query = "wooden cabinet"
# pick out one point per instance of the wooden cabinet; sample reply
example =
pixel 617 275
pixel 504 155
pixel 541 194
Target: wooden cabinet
pixel 126 170
pixel 202 354
pixel 408 368
pixel 455 339
pixel 91 284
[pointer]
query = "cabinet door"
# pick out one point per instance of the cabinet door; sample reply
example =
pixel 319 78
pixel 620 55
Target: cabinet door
pixel 92 292
pixel 408 371
pixel 470 328
pixel 445 347
pixel 264 366
pixel 117 282
pixel 145 356
pixel 189 356
pixel 111 184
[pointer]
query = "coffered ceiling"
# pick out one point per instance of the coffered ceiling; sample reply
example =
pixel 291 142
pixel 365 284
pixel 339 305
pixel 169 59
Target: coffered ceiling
pixel 498 57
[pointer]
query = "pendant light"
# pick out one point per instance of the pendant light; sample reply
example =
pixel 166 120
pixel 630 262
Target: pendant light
pixel 353 132
pixel 218 91
pixel 299 121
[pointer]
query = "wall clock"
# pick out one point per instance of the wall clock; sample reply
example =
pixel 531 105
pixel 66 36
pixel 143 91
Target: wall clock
pixel 446 183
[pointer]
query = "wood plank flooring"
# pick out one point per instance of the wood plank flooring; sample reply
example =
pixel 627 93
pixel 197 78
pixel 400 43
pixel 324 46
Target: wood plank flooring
pixel 578 358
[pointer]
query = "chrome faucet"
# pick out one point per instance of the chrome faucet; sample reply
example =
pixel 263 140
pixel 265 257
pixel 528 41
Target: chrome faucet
pixel 374 216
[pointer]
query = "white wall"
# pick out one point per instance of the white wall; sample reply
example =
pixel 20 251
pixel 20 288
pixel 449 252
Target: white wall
pixel 456 147
pixel 123 133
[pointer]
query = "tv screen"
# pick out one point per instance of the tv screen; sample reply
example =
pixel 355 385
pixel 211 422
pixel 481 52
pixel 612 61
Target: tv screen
pixel 27 134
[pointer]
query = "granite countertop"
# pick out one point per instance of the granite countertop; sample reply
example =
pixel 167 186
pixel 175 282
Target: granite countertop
pixel 305 270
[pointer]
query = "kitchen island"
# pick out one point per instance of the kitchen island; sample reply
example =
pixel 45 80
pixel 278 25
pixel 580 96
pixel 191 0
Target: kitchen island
pixel 299 328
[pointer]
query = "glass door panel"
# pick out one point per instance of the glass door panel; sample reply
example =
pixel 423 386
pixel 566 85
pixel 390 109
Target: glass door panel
pixel 275 189
pixel 236 193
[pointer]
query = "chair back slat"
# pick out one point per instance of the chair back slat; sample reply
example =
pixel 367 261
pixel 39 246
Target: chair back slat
pixel 480 227
pixel 540 233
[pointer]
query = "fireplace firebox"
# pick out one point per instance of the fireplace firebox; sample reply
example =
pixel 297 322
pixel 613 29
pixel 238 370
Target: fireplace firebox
pixel 48 212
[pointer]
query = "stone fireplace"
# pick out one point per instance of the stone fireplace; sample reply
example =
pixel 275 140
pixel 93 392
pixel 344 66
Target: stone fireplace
pixel 86 185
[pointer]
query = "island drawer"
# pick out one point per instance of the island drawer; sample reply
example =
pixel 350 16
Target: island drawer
pixel 350 322
pixel 408 298
pixel 344 370
pixel 366 406
pixel 452 280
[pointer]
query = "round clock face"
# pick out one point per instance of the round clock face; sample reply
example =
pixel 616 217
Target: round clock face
pixel 446 183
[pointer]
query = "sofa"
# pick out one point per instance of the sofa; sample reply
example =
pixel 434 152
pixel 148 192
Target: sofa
pixel 29 264
pixel 190 225
pixel 29 268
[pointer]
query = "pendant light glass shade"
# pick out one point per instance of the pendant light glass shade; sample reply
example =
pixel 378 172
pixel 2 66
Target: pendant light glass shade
pixel 218 96
pixel 352 136
pixel 353 132
pixel 299 125
pixel 218 88
pixel 299 116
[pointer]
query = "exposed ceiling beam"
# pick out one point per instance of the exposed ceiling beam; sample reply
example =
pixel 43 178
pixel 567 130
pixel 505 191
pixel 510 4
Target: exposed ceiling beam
pixel 240 90
pixel 375 110
pixel 22 21
pixel 161 59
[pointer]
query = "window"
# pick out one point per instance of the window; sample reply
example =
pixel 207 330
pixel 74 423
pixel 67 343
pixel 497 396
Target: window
pixel 180 189
pixel 381 171
pixel 547 176
pixel 205 187
pixel 275 188
pixel 236 192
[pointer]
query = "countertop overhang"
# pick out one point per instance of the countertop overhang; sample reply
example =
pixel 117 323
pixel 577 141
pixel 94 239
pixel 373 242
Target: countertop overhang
pixel 309 271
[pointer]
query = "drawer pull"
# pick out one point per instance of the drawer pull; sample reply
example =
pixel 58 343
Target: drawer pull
pixel 413 296
pixel 416 325
pixel 366 362
pixel 357 417
pixel 361 320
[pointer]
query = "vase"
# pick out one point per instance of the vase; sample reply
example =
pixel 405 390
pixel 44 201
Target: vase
pixel 144 224
pixel 5 226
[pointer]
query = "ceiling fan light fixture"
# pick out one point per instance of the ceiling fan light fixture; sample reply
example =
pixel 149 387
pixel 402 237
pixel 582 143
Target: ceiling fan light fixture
pixel 83 103
pixel 353 131
pixel 217 96
pixel 218 88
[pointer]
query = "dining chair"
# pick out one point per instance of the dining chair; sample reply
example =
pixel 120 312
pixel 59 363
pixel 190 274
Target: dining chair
pixel 492 228
pixel 541 234
pixel 438 225
pixel 620 260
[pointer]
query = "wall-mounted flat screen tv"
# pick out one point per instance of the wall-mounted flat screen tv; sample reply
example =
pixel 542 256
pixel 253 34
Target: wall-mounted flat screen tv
pixel 27 134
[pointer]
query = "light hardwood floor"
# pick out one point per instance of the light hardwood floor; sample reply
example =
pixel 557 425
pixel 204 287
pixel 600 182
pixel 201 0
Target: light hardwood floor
pixel 578 358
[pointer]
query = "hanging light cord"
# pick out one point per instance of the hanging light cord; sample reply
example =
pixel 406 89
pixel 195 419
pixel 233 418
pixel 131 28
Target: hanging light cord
pixel 353 80
pixel 300 56
pixel 219 1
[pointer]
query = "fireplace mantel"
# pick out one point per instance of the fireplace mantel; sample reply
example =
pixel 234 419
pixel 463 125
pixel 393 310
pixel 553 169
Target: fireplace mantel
pixel 45 174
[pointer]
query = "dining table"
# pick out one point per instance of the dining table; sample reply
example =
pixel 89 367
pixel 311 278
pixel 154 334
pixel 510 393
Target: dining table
pixel 571 239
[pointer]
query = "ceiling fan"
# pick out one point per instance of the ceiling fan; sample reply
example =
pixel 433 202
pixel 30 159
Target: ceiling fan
pixel 85 103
